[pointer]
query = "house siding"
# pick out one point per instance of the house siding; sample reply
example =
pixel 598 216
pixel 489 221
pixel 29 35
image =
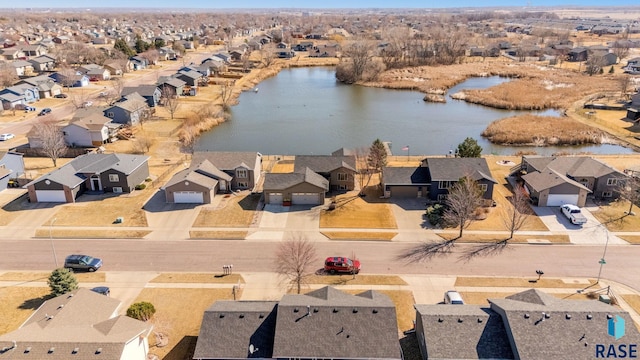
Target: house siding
pixel 77 136
pixel 108 185
pixel 334 183
pixel 300 188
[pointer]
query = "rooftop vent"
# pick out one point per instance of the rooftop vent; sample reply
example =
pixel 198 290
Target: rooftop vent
pixel 60 306
pixel 355 311
pixel 609 316
pixel 480 321
pixel 567 316
pixel 295 310
pixel 70 296
pixel 440 320
pixel 221 316
pixel 51 350
pixel 99 351
pixel 27 350
pixel 526 316
pixel 75 350
pixel 547 315
pixel 241 316
pixel 315 310
pixel 589 316
pixel 261 316
pixel 460 320
pixel 335 310
pixel 375 311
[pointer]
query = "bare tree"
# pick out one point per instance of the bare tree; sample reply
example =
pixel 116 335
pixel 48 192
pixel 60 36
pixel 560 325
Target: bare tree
pixel 151 55
pixel 594 64
pixel 620 48
pixel 358 58
pixel 79 100
pixel 630 191
pixel 365 171
pixel 294 260
pixel 226 92
pixel 68 77
pixel 51 139
pixel 117 85
pixel 515 216
pixel 267 55
pixel 625 80
pixel 8 75
pixel 143 142
pixel 463 199
pixel 170 100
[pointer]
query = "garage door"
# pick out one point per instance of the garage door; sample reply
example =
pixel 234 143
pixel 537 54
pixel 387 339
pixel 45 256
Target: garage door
pixel 561 199
pixel 50 196
pixel 275 198
pixel 188 197
pixel 304 198
pixel 404 191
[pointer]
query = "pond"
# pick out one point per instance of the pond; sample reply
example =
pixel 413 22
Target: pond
pixel 305 111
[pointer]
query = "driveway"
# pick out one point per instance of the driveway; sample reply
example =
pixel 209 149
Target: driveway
pixel 590 233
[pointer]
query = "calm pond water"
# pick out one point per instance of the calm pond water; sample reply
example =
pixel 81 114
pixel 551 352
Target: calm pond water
pixel 306 111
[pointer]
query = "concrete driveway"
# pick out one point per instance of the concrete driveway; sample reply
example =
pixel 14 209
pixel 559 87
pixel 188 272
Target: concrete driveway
pixel 590 233
pixel 279 222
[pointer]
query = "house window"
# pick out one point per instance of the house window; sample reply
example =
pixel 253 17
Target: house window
pixel 114 177
pixel 110 114
pixel 243 184
pixel 342 177
pixel 612 182
pixel 117 189
pixel 442 197
pixel 607 194
pixel 241 173
pixel 444 184
pixel 342 187
pixel 483 187
pixel 64 133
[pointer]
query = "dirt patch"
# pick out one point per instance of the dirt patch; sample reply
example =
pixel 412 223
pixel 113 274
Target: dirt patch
pixel 359 280
pixel 493 238
pixel 233 211
pixel 43 276
pixel 518 282
pixel 91 234
pixel 18 303
pixel 354 212
pixel 359 235
pixel 218 235
pixel 198 278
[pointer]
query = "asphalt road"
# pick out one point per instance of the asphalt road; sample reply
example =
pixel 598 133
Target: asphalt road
pixel 622 263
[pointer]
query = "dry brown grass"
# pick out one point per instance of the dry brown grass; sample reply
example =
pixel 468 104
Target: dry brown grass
pixel 218 235
pixel 91 234
pixel 491 238
pixel 181 323
pixel 235 211
pixel 43 276
pixel 631 239
pixel 198 278
pixel 283 167
pixel 614 217
pixel 359 235
pixel 354 212
pixel 519 282
pixel 541 131
pixel 18 303
pixel 359 280
pixel 633 300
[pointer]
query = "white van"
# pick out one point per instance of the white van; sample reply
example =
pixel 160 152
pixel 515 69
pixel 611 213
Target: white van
pixel 453 297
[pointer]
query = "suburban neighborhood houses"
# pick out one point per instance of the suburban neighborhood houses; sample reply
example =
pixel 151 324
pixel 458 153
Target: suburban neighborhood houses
pixel 129 233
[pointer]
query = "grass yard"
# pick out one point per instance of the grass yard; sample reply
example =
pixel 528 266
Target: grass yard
pixel 13 209
pixel 520 239
pixel 616 210
pixel 43 276
pixel 359 235
pixel 91 234
pixel 631 239
pixel 218 235
pixel 238 211
pixel 354 212
pixel 18 303
pixel 633 300
pixel 283 167
pixel 197 278
pixel 359 280
pixel 520 282
pixel 179 314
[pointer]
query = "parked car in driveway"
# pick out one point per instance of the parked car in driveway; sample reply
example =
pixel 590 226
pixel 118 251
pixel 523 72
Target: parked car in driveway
pixel 60 96
pixel 103 290
pixel 453 297
pixel 337 264
pixel 82 262
pixel 574 214
pixel 44 111
pixel 4 137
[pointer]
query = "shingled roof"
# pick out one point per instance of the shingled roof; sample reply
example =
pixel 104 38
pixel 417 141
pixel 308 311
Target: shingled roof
pixel 549 178
pixel 405 175
pixel 202 173
pixel 227 160
pixel 324 163
pixel 454 169
pixel 328 323
pixel 582 166
pixel 283 181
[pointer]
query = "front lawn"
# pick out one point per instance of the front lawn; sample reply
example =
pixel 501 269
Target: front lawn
pixel 18 303
pixel 234 211
pixel 614 216
pixel 354 212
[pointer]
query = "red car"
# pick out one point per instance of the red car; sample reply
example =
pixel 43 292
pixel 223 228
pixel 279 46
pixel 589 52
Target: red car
pixel 337 264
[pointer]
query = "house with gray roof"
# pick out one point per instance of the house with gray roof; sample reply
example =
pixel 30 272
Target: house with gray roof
pixel 89 128
pixel 171 86
pixel 115 173
pixel 302 187
pixel 244 168
pixel 339 170
pixel 81 324
pixel 12 167
pixel 43 63
pixel 150 92
pixel 554 181
pixel 46 86
pixel 129 110
pixel 322 324
pixel 406 182
pixel 197 184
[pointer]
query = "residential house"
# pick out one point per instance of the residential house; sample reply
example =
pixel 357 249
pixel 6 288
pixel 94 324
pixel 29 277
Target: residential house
pixel 80 324
pixel 27 92
pixel 22 67
pixel 527 325
pixel 46 86
pixel 71 80
pixel 236 55
pixel 243 167
pixel 302 187
pixel 12 53
pixel 215 64
pixel 326 50
pixel 130 110
pixel 340 171
pixel 138 63
pixel 167 53
pixel 342 326
pixel 633 66
pixel 303 46
pixel 10 100
pixel 11 167
pixel 554 181
pixel 115 173
pixel 190 77
pixel 197 184
pixel 406 182
pixel 170 86
pixel 445 172
pixel 578 54
pixel 150 92
pixel 115 68
pixel 98 73
pixel 204 70
pixel 43 63
pixel 89 128
pixel 34 50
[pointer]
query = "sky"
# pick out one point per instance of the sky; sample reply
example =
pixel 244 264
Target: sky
pixel 305 4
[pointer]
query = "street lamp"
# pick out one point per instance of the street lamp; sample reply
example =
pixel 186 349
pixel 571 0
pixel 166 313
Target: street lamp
pixel 602 260
pixel 53 248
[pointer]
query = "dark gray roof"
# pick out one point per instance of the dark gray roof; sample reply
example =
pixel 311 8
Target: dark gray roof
pixel 72 174
pixel 575 167
pixel 227 160
pixel 547 179
pixel 287 180
pixel 171 81
pixel 463 332
pixel 405 175
pixel 202 173
pixel 142 90
pixel 453 169
pixel 324 163
pixel 229 328
pixel 543 327
pixel 328 323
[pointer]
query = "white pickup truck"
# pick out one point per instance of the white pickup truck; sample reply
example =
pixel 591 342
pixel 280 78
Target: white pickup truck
pixel 573 213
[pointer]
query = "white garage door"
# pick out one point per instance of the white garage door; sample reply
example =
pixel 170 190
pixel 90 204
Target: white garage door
pixel 275 198
pixel 50 196
pixel 561 199
pixel 188 197
pixel 304 198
